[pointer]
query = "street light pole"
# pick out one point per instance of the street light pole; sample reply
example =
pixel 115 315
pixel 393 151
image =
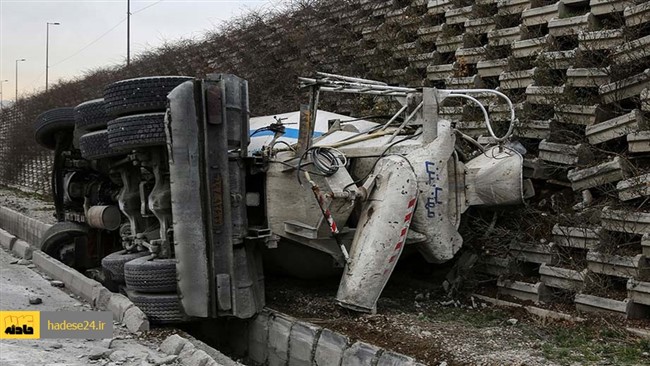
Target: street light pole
pixel 128 32
pixel 47 51
pixel 17 61
pixel 1 82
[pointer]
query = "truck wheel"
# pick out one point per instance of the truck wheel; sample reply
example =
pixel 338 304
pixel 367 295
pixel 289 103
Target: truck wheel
pixel 94 145
pixel 58 241
pixel 113 264
pixel 142 130
pixel 91 115
pixel 159 308
pixel 48 124
pixel 140 95
pixel 150 275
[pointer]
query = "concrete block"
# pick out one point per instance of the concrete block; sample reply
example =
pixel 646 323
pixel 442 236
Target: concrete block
pixel 458 15
pixel 118 304
pixel 625 88
pixel 638 142
pixel 632 51
pixel 617 265
pixel 638 291
pixel 601 174
pixel 635 187
pixel 625 221
pixel 504 37
pixel 472 129
pixel 6 239
pixel 558 60
pixel 173 345
pixel 570 26
pixel 595 304
pixel 278 342
pixel 578 114
pixel 535 292
pixel 533 252
pixel 533 129
pixel 538 169
pixel 330 348
pixel 516 79
pixel 586 77
pixel 22 249
pixel 423 60
pixel 543 14
pixel 438 6
pixel 470 55
pixel 135 320
pixel 645 100
pixel 531 47
pixel 577 237
pixel 508 7
pixel 479 25
pixel 563 278
pixel 637 15
pixel 196 358
pixel 360 354
pixel 441 72
pixel 101 296
pixel 645 245
pixel 546 95
pixel 429 34
pixel 606 7
pixel 451 44
pixel 302 343
pixel 393 359
pixel 606 39
pixel 616 127
pixel 491 68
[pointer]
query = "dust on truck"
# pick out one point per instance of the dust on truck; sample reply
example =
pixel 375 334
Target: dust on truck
pixel 165 192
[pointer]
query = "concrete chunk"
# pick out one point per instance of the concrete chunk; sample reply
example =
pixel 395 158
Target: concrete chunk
pixel 135 320
pixel 360 354
pixel 278 342
pixel 173 345
pixel 6 239
pixel 258 334
pixel 118 304
pixel 302 342
pixel 22 249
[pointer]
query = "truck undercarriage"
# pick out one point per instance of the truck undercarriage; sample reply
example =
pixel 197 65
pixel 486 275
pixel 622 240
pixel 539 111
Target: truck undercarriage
pixel 157 185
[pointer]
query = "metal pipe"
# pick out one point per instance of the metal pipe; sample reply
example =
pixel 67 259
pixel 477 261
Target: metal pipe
pixel 401 127
pixel 394 117
pixel 351 79
pixel 486 116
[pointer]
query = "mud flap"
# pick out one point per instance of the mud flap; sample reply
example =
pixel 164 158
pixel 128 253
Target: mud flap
pixel 380 236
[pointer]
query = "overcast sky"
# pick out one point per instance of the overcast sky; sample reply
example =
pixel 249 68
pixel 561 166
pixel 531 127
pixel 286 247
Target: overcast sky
pixel 23 33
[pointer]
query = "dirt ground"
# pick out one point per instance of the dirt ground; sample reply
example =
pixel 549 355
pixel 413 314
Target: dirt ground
pixel 415 317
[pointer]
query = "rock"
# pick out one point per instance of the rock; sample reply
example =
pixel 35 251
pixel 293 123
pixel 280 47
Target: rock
pixel 31 266
pixel 157 361
pixel 47 278
pixel 57 283
pixel 24 262
pixel 426 333
pixel 118 356
pixel 512 321
pixel 56 346
pixel 419 297
pixel 15 261
pixel 97 353
pixel 35 300
pixel 443 363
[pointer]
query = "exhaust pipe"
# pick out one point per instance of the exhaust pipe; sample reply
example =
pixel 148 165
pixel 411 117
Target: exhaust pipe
pixel 104 217
pixel 380 235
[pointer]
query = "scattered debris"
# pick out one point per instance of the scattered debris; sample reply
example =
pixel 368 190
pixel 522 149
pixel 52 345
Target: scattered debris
pixel 57 283
pixel 35 300
pixel 512 321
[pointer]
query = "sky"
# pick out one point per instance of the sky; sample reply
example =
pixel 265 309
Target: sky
pixel 92 33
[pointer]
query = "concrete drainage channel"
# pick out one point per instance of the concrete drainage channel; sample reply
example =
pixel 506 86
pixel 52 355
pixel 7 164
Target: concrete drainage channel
pixel 271 338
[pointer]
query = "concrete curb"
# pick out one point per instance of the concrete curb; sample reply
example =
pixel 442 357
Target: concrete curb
pixel 26 228
pixel 6 240
pixel 90 290
pixel 278 339
pixel 187 353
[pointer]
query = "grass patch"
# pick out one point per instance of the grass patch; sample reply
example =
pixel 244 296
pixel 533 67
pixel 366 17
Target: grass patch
pixel 593 344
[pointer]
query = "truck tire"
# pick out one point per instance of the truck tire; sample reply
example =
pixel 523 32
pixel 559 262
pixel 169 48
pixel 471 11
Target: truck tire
pixel 94 145
pixel 150 275
pixel 91 116
pixel 58 237
pixel 113 264
pixel 142 130
pixel 159 308
pixel 49 123
pixel 140 95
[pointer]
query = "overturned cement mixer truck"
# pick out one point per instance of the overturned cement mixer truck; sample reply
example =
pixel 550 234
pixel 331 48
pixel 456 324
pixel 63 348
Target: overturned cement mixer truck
pixel 166 191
